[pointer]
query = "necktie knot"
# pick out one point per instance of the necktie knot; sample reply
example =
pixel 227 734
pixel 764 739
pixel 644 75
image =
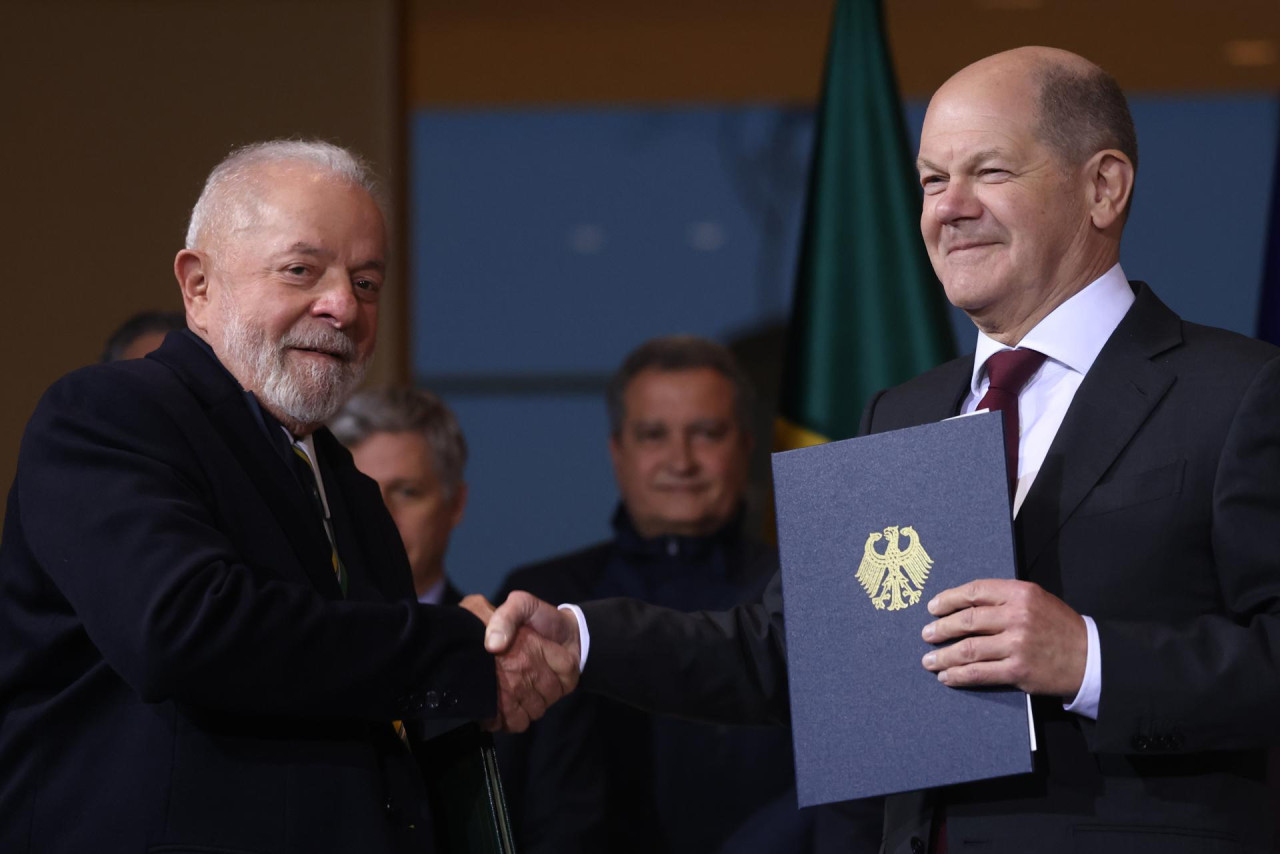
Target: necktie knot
pixel 1009 370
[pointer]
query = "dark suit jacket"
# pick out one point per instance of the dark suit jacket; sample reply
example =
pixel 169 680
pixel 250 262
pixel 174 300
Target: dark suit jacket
pixel 451 594
pixel 1157 513
pixel 596 775
pixel 178 668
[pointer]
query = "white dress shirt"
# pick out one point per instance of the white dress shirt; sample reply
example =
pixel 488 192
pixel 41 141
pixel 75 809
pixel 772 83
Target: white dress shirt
pixel 1071 338
pixel 308 446
pixel 434 594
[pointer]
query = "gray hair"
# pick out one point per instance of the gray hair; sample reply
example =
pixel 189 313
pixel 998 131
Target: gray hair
pixel 1082 112
pixel 223 203
pixel 680 353
pixel 407 410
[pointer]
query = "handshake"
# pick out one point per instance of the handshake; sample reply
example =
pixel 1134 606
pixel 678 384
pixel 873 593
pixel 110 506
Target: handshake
pixel 537 649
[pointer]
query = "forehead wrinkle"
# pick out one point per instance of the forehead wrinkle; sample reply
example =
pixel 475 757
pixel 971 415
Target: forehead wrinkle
pixel 924 163
pixel 307 249
pixel 966 160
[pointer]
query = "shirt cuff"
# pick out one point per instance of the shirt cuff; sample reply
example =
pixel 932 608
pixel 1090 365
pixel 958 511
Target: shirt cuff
pixel 1086 702
pixel 584 636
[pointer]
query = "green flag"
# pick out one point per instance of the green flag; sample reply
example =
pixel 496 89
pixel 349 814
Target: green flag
pixel 868 310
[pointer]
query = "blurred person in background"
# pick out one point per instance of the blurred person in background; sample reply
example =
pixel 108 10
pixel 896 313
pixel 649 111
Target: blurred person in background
pixel 410 443
pixel 141 334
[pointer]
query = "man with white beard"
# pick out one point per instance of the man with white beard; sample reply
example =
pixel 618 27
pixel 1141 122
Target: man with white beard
pixel 208 633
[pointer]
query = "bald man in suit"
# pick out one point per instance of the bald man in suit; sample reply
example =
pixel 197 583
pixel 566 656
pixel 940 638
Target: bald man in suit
pixel 1145 621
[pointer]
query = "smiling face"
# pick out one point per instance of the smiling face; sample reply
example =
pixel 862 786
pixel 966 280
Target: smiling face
pixel 289 299
pixel 1006 221
pixel 681 456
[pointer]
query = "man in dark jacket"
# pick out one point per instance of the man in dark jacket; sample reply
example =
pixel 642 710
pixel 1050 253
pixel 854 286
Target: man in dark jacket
pixel 208 638
pixel 597 775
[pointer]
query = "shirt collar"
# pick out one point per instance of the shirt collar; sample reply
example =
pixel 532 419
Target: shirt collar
pixel 1073 333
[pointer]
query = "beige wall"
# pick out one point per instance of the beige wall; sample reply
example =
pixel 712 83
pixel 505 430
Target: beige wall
pixel 112 112
pixel 610 51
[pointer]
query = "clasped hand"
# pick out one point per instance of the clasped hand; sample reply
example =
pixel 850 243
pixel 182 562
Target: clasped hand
pixel 1007 633
pixel 536 651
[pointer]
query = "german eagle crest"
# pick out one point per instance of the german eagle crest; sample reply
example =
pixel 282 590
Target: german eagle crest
pixel 894 578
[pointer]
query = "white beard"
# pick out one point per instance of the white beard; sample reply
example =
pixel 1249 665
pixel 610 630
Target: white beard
pixel 309 392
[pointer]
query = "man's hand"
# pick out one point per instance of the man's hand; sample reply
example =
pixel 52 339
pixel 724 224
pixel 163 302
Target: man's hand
pixel 533 671
pixel 1011 633
pixel 478 605
pixel 524 609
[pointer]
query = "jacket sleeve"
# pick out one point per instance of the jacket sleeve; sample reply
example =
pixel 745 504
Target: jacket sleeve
pixel 116 510
pixel 724 667
pixel 1212 682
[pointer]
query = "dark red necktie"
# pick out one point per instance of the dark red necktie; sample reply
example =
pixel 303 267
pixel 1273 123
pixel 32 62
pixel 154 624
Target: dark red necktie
pixel 1008 371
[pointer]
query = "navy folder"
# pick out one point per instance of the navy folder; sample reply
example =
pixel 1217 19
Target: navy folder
pixel 869 530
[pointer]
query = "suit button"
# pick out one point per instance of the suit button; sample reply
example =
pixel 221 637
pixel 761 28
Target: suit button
pixel 1141 743
pixel 432 699
pixel 917 845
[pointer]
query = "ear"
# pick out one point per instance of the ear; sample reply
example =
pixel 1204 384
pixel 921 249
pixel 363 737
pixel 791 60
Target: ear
pixel 192 268
pixel 1110 188
pixel 459 505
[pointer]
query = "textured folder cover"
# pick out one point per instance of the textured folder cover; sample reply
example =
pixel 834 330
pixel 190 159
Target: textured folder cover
pixel 467 805
pixel 869 530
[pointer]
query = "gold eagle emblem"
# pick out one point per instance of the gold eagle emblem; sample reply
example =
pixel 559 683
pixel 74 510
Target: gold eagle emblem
pixel 894 578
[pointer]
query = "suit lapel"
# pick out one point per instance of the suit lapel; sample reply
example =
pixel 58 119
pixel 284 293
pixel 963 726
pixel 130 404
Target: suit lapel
pixel 930 397
pixel 1116 397
pixel 279 488
pixel 235 423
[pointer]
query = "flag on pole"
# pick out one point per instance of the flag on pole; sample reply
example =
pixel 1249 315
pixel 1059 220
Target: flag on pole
pixel 1269 306
pixel 868 311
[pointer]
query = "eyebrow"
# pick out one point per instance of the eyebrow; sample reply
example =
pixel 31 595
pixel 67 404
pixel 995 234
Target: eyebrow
pixel 923 163
pixel 303 248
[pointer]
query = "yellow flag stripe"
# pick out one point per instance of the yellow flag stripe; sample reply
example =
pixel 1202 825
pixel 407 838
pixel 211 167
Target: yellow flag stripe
pixel 788 435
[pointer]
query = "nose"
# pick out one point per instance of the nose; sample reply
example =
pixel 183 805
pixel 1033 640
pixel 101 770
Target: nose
pixel 957 201
pixel 682 459
pixel 336 300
